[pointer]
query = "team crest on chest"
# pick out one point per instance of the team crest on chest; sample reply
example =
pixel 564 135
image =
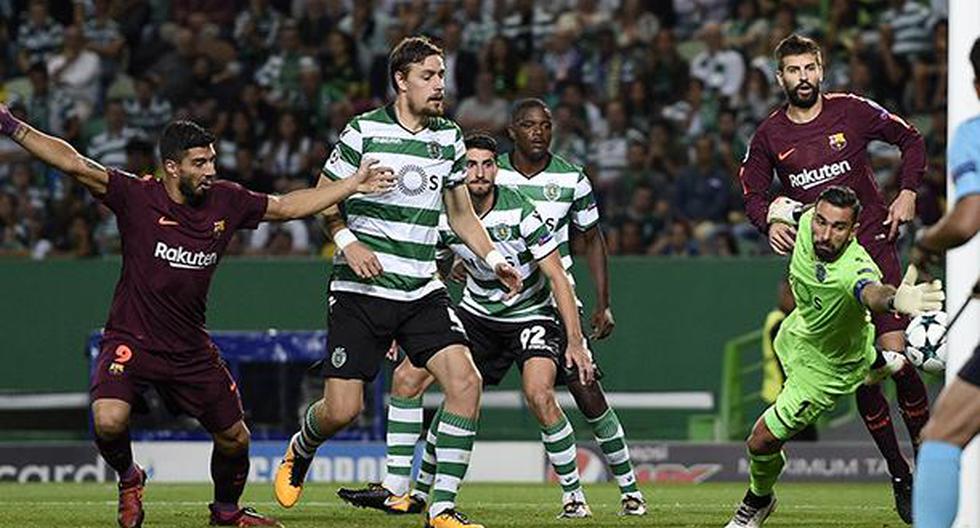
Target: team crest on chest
pixel 501 232
pixel 552 191
pixel 821 272
pixel 219 228
pixel 837 141
pixel 435 150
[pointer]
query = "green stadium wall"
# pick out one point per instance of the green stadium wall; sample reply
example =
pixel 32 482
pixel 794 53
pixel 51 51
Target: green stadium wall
pixel 672 318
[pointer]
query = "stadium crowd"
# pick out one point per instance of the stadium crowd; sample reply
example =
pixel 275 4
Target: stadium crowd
pixel 657 99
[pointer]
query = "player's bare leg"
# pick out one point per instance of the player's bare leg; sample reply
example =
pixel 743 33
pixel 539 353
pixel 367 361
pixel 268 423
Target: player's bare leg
pixel 229 471
pixel 538 382
pixel 766 461
pixel 609 434
pixel 110 418
pixel 392 496
pixel 462 384
pixel 342 402
pixel 955 422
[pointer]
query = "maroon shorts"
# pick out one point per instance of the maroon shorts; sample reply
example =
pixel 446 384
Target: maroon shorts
pixel 885 256
pixel 196 383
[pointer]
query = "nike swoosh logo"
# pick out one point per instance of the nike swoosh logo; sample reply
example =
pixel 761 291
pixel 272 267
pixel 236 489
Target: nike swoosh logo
pixel 164 222
pixel 784 155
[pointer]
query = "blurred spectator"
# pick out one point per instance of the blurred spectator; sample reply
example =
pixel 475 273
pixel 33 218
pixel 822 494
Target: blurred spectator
pixel 634 25
pixel 478 26
pixel 501 61
pixel 461 65
pixel 109 147
pixel 174 67
pixel 286 238
pixel 146 110
pixel 257 30
pixel 140 157
pixel 719 67
pixel 609 150
pixel 286 154
pixel 676 241
pixel 562 58
pixel 368 27
pixel 567 140
pixel 483 111
pixel 607 68
pixel 279 75
pixel 104 38
pixel 39 37
pixel 51 111
pixel 315 21
pixel 692 14
pixel 526 25
pixel 665 71
pixel 747 30
pixel 640 212
pixel 248 172
pixel 15 234
pixel 702 192
pixel 75 72
pixel 342 75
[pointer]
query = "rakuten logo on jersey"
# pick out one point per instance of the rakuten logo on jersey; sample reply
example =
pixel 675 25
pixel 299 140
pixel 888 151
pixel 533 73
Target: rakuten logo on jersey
pixel 810 178
pixel 181 258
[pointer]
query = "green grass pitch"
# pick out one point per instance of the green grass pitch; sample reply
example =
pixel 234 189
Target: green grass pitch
pixel 495 505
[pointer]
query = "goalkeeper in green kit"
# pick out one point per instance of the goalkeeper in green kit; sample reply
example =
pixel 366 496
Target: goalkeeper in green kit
pixel 826 345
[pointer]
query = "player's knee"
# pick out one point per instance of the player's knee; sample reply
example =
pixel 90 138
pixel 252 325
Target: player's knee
pixel 234 440
pixel 408 381
pixel 541 400
pixel 588 397
pixel 758 444
pixel 109 425
pixel 339 414
pixel 467 386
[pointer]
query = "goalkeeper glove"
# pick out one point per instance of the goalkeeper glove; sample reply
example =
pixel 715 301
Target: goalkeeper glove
pixel 914 299
pixel 784 211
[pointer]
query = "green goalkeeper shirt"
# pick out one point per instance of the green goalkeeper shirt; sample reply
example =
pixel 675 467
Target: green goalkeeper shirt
pixel 829 333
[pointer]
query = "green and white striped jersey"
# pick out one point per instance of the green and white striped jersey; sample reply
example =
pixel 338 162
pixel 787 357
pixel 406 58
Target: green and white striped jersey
pixel 561 194
pixel 400 226
pixel 520 235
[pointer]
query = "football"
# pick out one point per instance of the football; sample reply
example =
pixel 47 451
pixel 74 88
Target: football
pixel 926 343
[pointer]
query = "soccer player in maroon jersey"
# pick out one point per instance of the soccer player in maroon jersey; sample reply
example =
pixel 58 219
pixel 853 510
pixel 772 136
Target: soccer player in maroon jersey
pixel 174 231
pixel 818 140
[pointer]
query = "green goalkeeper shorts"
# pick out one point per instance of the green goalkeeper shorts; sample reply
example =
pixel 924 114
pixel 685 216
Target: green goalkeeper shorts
pixel 797 406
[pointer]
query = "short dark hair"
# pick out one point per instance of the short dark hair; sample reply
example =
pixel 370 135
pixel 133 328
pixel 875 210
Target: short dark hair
pixel 179 136
pixel 481 140
pixel 524 105
pixel 840 196
pixel 975 59
pixel 411 50
pixel 796 45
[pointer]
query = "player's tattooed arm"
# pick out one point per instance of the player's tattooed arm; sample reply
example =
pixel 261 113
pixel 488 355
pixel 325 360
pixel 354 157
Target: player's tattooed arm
pixel 55 152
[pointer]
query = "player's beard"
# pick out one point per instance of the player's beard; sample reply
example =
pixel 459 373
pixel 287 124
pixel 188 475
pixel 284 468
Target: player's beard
pixel 827 253
pixel 803 102
pixel 430 110
pixel 193 197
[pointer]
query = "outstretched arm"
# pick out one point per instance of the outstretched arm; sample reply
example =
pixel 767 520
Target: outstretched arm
pixel 55 152
pixel 369 178
pixel 909 298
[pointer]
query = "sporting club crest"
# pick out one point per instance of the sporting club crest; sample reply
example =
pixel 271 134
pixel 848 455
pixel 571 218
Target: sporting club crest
pixel 821 272
pixel 837 141
pixel 219 228
pixel 338 357
pixel 552 191
pixel 435 150
pixel 501 232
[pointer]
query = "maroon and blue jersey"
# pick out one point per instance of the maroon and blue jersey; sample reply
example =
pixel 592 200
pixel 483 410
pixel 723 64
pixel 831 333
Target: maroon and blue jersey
pixel 170 252
pixel 830 150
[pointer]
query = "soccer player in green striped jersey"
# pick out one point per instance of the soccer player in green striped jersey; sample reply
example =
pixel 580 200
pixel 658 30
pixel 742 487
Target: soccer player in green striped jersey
pixel 563 196
pixel 523 329
pixel 826 344
pixel 384 283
